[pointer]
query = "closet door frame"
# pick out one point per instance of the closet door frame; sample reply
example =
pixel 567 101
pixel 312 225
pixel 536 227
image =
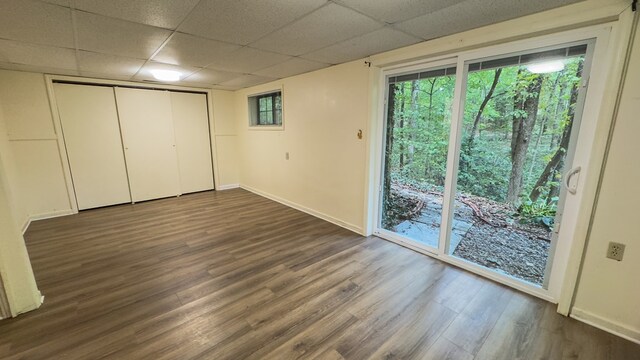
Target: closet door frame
pixel 180 124
pixel 102 181
pixel 62 149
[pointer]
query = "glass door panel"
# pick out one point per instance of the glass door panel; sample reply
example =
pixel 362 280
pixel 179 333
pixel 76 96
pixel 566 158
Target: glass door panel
pixel 518 121
pixel 418 123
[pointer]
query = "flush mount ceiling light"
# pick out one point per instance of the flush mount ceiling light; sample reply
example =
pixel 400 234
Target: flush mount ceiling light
pixel 546 67
pixel 166 75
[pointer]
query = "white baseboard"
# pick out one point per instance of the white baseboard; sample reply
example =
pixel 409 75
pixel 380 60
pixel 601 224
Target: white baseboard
pixel 607 325
pixel 26 224
pixel 43 216
pixel 228 186
pixel 331 219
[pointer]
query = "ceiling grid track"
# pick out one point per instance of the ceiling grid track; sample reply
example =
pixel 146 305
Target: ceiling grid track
pixel 228 44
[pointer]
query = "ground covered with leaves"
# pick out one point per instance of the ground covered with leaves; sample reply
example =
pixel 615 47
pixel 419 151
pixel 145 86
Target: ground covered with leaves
pixel 500 238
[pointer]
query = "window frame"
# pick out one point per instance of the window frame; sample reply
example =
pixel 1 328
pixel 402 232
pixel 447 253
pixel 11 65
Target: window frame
pixel 256 122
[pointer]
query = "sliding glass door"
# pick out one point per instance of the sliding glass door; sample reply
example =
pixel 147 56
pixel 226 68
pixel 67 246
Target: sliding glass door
pixel 417 141
pixel 518 122
pixel 482 179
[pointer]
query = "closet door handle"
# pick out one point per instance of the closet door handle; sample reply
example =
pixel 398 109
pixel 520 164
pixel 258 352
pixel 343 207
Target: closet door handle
pixel 567 180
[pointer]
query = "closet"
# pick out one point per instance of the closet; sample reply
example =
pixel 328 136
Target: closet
pixel 129 144
pixel 94 148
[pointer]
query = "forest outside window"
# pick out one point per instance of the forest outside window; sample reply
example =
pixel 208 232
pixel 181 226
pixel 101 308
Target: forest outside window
pixel 519 114
pixel 265 110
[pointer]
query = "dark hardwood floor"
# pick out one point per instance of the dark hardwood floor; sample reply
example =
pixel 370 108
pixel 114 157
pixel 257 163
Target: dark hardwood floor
pixel 231 275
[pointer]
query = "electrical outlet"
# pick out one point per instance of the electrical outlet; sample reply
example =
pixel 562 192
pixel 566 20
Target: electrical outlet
pixel 615 251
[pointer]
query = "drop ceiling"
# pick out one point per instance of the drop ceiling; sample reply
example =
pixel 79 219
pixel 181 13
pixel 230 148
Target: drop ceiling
pixel 227 44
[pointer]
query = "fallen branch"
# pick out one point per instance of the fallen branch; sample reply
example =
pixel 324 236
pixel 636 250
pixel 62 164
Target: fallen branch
pixel 476 210
pixel 417 208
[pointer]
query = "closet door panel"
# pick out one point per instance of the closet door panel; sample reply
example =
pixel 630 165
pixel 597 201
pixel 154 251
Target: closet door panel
pixel 191 124
pixel 94 147
pixel 149 142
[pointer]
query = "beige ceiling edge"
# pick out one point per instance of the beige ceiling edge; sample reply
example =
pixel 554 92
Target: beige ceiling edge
pixel 590 12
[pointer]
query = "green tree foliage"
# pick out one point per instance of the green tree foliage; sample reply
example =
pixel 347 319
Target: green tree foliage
pixel 421 135
pixel 495 110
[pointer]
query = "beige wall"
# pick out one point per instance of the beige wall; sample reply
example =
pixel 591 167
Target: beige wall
pixel 609 291
pixel 40 188
pixel 325 173
pixel 328 170
pixel 225 138
pixel 32 176
pixel 15 268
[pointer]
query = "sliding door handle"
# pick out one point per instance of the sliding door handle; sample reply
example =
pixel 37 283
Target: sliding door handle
pixel 567 180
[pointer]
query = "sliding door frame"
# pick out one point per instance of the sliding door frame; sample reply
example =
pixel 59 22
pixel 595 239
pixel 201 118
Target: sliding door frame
pixel 378 230
pixel 567 257
pixel 57 124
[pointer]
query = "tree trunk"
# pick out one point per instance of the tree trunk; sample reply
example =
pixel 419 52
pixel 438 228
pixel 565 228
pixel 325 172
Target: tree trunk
pixel 388 148
pixel 560 109
pixel 522 129
pixel 412 120
pixel 543 125
pixel 401 126
pixel 476 120
pixel 427 164
pixel 430 93
pixel 552 165
pixel 554 189
pixel 557 161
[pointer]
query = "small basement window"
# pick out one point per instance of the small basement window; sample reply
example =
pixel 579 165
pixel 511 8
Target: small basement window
pixel 265 110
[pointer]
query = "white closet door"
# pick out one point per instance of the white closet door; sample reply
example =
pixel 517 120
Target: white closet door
pixel 149 142
pixel 191 124
pixel 94 147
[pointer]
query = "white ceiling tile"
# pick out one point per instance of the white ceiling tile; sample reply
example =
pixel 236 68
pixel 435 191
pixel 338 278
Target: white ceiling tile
pixel 328 25
pixel 96 63
pixel 38 69
pixel 58 2
pixel 184 49
pixel 145 71
pixel 38 35
pixel 473 14
pixel 193 85
pixel 162 13
pixel 362 46
pixel 246 81
pixel 206 86
pixel 118 37
pixel 398 10
pixel 98 75
pixel 509 9
pixel 291 67
pixel 37 55
pixel 244 21
pixel 210 76
pixel 36 22
pixel 247 60
pixel 221 87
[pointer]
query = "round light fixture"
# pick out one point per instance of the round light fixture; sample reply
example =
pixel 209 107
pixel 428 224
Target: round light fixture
pixel 546 67
pixel 166 75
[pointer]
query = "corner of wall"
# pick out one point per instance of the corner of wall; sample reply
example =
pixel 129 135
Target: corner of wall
pixel 35 170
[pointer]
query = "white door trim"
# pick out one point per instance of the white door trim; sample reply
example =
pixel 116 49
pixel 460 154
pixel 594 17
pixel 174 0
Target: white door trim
pixel 62 150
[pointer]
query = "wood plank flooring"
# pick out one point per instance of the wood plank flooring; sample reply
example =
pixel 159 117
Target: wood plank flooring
pixel 232 275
